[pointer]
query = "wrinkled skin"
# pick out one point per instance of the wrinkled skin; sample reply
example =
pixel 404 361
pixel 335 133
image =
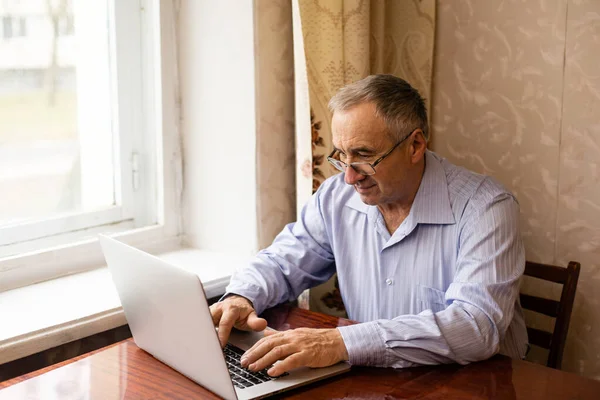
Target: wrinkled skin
pixel 235 311
pixel 293 348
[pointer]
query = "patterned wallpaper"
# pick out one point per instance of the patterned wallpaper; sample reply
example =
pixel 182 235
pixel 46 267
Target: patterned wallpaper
pixel 516 95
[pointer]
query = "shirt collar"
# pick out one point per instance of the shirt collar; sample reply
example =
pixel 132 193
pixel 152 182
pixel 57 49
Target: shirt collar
pixel 432 202
pixel 356 203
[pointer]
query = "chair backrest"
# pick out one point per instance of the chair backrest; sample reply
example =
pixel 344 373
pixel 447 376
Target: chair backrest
pixel 561 310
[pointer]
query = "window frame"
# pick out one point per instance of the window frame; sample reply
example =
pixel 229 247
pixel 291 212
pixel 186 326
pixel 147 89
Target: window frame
pixel 151 225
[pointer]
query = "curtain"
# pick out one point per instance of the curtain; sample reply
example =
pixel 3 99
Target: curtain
pixel 338 42
pixel 275 171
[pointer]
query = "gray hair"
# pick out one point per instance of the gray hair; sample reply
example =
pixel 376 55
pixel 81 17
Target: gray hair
pixel 396 101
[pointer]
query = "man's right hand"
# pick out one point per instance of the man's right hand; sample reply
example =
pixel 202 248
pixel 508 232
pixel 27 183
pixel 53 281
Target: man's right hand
pixel 235 311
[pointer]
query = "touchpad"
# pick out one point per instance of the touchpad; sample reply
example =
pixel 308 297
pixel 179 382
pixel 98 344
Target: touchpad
pixel 244 339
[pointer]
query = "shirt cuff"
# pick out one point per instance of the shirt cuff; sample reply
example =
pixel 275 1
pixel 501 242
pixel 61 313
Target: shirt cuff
pixel 364 344
pixel 249 291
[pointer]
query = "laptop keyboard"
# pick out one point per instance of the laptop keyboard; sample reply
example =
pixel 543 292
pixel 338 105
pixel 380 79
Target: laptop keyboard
pixel 241 377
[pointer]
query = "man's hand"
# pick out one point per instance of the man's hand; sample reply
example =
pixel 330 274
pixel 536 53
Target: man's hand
pixel 295 348
pixel 235 311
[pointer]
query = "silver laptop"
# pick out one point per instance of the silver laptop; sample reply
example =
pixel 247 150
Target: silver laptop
pixel 169 317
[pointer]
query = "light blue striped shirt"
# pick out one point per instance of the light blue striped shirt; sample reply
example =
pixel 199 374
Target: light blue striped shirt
pixel 443 288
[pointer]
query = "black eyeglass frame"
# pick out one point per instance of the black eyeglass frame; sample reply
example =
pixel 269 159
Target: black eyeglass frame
pixel 342 166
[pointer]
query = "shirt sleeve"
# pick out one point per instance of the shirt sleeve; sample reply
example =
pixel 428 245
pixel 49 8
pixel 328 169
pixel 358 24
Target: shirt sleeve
pixel 299 258
pixel 479 303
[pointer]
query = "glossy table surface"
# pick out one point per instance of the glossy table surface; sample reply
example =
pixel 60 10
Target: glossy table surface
pixel 123 371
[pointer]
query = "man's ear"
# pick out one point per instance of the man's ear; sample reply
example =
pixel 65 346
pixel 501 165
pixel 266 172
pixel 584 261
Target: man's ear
pixel 418 146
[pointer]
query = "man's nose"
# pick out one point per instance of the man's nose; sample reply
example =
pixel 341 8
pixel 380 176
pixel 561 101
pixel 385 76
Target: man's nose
pixel 351 177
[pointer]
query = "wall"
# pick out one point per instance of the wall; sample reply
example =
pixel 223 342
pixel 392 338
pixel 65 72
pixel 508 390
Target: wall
pixel 517 96
pixel 216 66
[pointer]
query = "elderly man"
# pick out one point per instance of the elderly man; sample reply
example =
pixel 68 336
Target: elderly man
pixel 428 254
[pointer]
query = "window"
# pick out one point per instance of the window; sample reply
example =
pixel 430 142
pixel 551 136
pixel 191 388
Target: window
pixel 6 27
pixel 66 25
pixel 79 119
pixel 13 27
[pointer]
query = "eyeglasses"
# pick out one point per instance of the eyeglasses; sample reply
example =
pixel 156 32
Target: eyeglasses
pixel 363 168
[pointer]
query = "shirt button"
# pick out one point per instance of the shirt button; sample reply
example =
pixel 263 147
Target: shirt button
pixel 389 281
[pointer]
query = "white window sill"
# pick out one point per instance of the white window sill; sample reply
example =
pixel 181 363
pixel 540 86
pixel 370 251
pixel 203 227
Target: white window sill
pixel 48 314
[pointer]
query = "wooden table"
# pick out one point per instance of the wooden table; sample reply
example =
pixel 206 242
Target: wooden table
pixel 123 371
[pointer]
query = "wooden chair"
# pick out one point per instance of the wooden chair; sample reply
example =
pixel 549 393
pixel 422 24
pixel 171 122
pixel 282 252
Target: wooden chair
pixel 561 310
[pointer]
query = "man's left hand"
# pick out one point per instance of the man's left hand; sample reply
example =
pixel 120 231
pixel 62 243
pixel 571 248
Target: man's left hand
pixel 295 348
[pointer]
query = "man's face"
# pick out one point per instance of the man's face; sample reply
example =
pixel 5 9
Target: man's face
pixel 359 135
